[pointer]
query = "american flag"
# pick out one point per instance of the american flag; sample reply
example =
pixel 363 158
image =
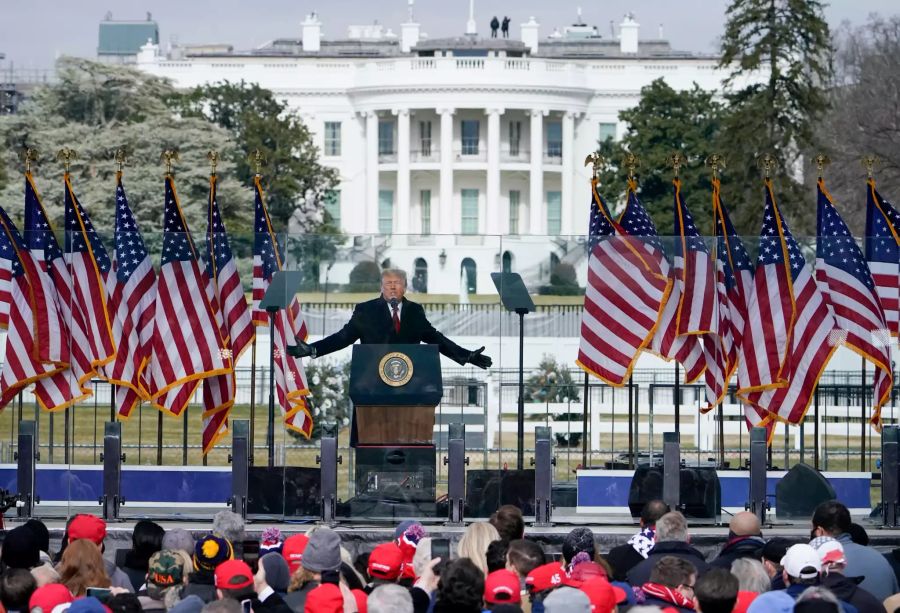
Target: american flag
pixel 784 286
pixel 626 288
pixel 89 266
pixel 850 292
pixel 21 367
pixel 290 381
pixel 685 298
pixel 694 272
pixel 187 342
pixel 71 386
pixel 131 306
pixel 734 276
pixel 233 315
pixel 883 253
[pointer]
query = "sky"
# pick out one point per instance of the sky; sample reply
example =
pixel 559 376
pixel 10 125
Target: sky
pixel 34 33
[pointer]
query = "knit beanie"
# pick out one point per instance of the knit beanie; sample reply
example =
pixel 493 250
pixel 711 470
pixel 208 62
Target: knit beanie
pixel 210 551
pixel 278 575
pixel 323 551
pixel 20 549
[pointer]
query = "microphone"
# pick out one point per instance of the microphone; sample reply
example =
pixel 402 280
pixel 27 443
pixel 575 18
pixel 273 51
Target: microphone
pixel 394 303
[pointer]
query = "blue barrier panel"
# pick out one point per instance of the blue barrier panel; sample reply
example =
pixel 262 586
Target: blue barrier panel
pixel 606 489
pixel 56 483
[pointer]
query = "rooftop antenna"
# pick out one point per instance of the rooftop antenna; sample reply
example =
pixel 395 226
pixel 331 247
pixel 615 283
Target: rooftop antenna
pixel 661 37
pixel 410 8
pixel 578 12
pixel 612 28
pixel 471 26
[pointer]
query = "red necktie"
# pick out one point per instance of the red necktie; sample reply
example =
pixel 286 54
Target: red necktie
pixel 396 320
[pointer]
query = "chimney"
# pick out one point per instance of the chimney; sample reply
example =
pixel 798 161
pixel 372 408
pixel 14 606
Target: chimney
pixel 409 31
pixel 312 33
pixel 530 34
pixel 628 34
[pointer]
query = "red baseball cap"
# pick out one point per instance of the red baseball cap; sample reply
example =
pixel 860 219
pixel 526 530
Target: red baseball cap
pixel 86 526
pixel 50 596
pixel 233 575
pixel 327 598
pixel 545 577
pixel 292 550
pixel 501 587
pixel 385 561
pixel 603 595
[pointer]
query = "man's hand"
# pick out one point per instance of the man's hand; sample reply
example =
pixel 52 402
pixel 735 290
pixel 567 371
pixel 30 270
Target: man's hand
pixel 429 579
pixel 301 349
pixel 477 358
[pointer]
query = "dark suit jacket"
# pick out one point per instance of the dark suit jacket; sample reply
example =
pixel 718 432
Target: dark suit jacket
pixel 371 323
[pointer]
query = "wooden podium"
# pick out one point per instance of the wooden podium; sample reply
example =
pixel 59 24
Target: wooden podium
pixel 395 389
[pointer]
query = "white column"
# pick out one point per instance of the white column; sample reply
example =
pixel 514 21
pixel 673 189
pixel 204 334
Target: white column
pixel 493 211
pixel 445 226
pixel 568 171
pixel 536 176
pixel 371 172
pixel 402 212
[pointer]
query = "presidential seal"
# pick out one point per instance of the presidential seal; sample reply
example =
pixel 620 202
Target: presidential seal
pixel 396 369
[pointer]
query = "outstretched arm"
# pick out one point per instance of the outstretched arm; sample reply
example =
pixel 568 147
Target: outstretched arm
pixel 344 337
pixel 452 350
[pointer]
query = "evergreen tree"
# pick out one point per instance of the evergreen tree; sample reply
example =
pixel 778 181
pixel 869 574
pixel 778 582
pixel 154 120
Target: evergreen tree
pixel 665 121
pixel 294 180
pixel 778 54
pixel 98 108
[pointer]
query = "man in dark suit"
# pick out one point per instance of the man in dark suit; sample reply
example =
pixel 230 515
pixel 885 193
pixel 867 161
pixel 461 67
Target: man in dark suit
pixel 390 318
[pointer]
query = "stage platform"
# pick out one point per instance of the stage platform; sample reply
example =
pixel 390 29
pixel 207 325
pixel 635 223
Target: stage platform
pixel 361 536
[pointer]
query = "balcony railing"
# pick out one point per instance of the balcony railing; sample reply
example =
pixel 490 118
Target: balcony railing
pixel 430 155
pixel 471 155
pixel 387 157
pixel 516 155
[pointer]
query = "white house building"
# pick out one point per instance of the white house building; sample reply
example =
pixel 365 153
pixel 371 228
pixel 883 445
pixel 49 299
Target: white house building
pixel 457 156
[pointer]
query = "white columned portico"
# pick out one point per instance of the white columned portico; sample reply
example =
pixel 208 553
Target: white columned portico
pixel 536 174
pixel 401 221
pixel 568 171
pixel 371 222
pixel 493 211
pixel 445 225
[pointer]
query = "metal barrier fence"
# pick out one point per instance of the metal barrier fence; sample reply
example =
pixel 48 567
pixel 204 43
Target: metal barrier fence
pixel 622 424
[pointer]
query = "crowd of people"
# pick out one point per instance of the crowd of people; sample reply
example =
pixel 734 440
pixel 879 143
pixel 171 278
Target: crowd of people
pixel 494 567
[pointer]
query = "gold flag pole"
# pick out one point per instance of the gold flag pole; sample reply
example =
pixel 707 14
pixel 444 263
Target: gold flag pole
pixel 869 162
pixel 821 161
pixel 121 159
pixel 675 162
pixel 631 162
pixel 715 162
pixel 257 160
pixel 767 163
pixel 66 155
pixel 169 157
pixel 30 156
pixel 213 157
pixel 595 161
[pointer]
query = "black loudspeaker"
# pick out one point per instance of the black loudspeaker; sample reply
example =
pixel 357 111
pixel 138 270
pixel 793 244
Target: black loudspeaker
pixel 800 491
pixel 488 490
pixel 396 473
pixel 699 490
pixel 890 475
pixel 289 491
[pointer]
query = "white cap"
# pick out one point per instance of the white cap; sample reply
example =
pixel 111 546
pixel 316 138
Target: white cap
pixel 799 558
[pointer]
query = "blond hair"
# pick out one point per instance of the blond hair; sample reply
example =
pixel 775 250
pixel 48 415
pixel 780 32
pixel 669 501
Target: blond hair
pixel 474 543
